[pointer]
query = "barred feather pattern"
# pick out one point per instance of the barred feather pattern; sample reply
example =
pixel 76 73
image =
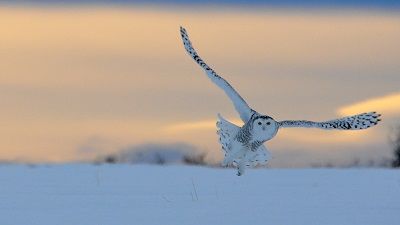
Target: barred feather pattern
pixel 192 52
pixel 356 122
pixel 244 135
pixel 255 144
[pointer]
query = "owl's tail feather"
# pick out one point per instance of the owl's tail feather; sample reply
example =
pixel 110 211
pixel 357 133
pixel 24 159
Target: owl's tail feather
pixel 226 132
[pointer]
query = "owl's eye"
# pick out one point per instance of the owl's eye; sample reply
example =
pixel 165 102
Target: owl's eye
pixel 259 123
pixel 268 123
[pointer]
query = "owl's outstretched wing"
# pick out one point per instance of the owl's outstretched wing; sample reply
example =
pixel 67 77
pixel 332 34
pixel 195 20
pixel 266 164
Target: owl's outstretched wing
pixel 356 122
pixel 240 105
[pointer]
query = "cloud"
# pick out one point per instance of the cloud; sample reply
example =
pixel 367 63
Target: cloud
pixel 388 105
pixel 196 125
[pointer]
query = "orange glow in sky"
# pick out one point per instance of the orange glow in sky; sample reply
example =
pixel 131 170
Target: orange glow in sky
pixel 107 78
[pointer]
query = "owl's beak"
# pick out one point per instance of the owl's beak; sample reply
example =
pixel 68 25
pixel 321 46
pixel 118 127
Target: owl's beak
pixel 263 128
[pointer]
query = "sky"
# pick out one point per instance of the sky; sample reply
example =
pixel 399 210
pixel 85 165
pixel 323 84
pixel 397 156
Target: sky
pixel 82 80
pixel 243 3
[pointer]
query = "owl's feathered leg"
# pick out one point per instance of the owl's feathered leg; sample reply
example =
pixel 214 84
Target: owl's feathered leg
pixel 232 157
pixel 241 164
pixel 242 158
pixel 241 167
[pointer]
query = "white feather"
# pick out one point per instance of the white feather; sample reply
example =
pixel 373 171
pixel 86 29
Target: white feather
pixel 240 105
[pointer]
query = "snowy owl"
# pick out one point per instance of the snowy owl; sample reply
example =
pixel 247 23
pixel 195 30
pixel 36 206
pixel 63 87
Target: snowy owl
pixel 244 146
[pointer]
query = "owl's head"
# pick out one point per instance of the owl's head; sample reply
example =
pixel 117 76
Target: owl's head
pixel 264 128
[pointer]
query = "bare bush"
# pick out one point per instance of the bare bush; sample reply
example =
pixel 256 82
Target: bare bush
pixel 156 154
pixel 396 148
pixel 192 159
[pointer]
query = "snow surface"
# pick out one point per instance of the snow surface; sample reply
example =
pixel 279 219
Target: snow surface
pixel 145 194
